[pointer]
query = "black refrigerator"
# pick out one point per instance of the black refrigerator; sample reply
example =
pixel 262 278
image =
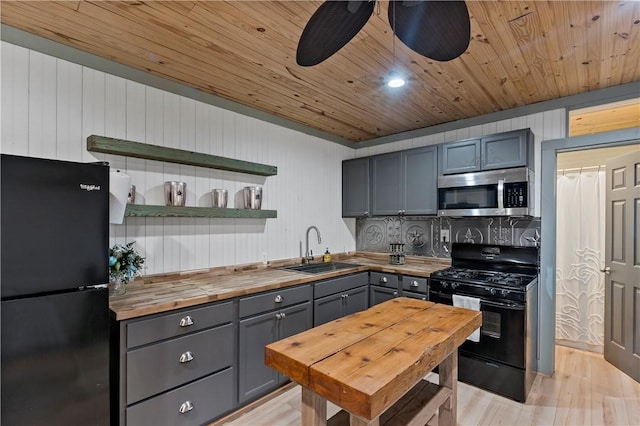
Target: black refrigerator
pixel 54 299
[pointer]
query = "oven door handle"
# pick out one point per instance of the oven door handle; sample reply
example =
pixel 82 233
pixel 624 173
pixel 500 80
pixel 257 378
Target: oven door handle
pixel 440 294
pixel 512 306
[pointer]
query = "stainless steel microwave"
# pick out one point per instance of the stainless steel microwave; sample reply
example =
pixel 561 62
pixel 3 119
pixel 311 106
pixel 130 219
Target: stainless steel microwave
pixel 506 192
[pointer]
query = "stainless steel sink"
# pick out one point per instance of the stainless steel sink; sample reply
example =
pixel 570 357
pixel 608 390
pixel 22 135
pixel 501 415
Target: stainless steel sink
pixel 319 268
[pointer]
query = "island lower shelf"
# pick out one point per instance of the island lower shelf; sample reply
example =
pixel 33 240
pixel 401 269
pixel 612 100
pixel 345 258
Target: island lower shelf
pixel 139 210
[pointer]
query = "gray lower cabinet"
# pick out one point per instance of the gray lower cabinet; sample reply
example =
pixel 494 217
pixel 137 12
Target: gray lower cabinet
pixel 385 286
pixel 292 314
pixel 378 294
pixel 170 367
pixel 188 405
pixel 337 297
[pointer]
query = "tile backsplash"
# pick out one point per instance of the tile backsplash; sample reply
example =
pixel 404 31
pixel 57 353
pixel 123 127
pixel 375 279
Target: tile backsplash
pixel 422 235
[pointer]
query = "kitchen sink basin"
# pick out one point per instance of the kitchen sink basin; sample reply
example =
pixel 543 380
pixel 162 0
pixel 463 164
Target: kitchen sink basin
pixel 319 268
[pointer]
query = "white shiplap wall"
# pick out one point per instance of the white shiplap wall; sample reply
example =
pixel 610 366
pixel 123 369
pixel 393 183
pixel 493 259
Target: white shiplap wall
pixel 50 106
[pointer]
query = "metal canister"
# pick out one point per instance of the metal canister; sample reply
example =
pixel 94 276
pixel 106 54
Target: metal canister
pixel 252 197
pixel 175 193
pixel 131 197
pixel 219 198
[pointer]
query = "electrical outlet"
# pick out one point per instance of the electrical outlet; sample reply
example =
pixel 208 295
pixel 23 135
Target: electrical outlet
pixel 444 236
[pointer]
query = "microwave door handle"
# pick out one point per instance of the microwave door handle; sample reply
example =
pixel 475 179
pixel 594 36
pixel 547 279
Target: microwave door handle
pixel 500 194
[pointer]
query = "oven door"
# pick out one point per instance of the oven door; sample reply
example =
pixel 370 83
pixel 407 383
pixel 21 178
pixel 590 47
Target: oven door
pixel 502 334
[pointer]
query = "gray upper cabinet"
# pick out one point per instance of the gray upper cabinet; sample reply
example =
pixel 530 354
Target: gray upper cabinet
pixel 460 156
pixel 404 182
pixel 386 178
pixel 499 151
pixel 355 187
pixel 419 181
pixel 505 150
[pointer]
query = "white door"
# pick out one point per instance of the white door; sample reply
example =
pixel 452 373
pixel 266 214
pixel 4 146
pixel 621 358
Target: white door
pixel 622 257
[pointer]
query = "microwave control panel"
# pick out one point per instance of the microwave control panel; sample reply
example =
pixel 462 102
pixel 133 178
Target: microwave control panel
pixel 515 194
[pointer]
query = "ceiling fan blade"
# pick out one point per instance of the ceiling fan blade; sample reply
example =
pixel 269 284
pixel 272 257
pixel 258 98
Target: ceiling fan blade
pixel 439 30
pixel 332 26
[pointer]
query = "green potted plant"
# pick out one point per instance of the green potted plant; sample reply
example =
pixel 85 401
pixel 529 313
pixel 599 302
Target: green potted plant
pixel 125 263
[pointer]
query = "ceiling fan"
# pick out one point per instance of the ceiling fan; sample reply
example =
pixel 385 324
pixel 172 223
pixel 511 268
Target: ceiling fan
pixel 439 30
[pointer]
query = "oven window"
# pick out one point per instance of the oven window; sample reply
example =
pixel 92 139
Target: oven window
pixel 470 197
pixel 491 324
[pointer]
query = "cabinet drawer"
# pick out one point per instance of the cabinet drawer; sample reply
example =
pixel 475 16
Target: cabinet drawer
pixel 384 279
pixel 276 299
pixel 208 397
pixel 156 368
pixel 414 284
pixel 340 284
pixel 165 326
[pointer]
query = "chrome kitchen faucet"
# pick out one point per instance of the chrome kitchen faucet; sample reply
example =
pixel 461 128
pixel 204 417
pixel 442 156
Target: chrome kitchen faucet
pixel 308 255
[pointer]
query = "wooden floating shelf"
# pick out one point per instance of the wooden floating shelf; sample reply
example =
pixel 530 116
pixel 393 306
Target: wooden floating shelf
pixel 171 155
pixel 139 210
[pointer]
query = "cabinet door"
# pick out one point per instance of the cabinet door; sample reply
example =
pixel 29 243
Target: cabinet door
pixel 355 301
pixel 504 150
pixel 460 157
pixel 327 309
pixel 296 319
pixel 255 378
pixel 355 187
pixel 386 180
pixel 381 294
pixel 419 181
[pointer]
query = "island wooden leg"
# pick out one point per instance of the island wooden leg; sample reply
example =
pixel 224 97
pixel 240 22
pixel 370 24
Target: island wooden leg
pixel 359 421
pixel 314 408
pixel 448 371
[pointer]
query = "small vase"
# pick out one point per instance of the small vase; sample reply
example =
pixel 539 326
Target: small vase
pixel 117 287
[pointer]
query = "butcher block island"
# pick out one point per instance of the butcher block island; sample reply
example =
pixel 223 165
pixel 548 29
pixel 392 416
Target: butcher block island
pixel 367 361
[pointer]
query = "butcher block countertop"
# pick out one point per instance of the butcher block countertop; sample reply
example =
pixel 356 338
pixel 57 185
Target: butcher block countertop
pixel 155 294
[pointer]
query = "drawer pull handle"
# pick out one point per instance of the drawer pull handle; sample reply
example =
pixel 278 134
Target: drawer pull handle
pixel 414 283
pixel 395 293
pixel 279 299
pixel 383 279
pixel 280 315
pixel 186 357
pixel 186 407
pixel 186 321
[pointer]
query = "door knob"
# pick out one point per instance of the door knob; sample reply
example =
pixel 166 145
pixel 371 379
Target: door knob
pixel 606 270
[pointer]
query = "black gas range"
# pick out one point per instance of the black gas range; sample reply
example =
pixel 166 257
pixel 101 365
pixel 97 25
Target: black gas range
pixel 503 281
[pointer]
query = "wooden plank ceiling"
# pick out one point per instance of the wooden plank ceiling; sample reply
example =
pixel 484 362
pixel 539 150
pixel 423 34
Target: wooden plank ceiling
pixel 521 52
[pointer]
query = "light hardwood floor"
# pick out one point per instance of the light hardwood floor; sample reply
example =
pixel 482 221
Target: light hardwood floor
pixel 585 390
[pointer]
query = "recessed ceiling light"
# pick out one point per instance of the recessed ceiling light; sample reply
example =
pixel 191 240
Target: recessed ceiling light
pixel 396 82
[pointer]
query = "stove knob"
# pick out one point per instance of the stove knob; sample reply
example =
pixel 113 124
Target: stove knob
pixel 492 290
pixel 454 285
pixel 445 284
pixel 504 292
